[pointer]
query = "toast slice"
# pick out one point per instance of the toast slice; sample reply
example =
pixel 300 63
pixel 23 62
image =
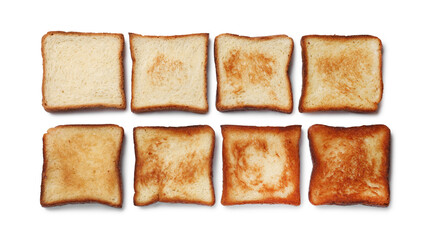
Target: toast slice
pixel 341 73
pixel 169 72
pixel 81 165
pixel 260 165
pixel 174 164
pixel 82 70
pixel 252 73
pixel 350 165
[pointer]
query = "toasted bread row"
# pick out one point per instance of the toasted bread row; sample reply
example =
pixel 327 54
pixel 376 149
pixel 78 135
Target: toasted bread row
pixel 175 164
pixel 86 70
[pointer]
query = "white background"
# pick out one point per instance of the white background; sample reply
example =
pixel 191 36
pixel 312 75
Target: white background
pixel 23 120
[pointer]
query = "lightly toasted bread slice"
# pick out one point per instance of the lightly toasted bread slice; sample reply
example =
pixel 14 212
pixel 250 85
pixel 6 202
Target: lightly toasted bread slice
pixel 169 72
pixel 341 73
pixel 252 73
pixel 82 164
pixel 82 70
pixel 350 165
pixel 261 165
pixel 174 164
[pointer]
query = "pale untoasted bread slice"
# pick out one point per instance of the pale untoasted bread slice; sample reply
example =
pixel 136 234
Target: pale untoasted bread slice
pixel 169 72
pixel 351 165
pixel 82 164
pixel 174 164
pixel 82 70
pixel 341 73
pixel 261 165
pixel 252 72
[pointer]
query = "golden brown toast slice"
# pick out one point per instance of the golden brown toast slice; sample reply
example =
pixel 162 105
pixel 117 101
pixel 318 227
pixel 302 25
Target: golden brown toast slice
pixel 252 72
pixel 169 72
pixel 82 70
pixel 260 165
pixel 174 164
pixel 350 165
pixel 341 73
pixel 82 164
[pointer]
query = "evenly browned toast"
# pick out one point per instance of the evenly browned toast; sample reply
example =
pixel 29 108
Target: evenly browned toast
pixel 82 70
pixel 341 73
pixel 169 72
pixel 252 72
pixel 82 164
pixel 260 165
pixel 174 164
pixel 350 165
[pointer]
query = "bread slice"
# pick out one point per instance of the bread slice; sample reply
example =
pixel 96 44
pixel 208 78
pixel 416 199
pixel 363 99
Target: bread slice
pixel 174 164
pixel 261 165
pixel 169 72
pixel 341 73
pixel 350 165
pixel 252 72
pixel 82 164
pixel 82 70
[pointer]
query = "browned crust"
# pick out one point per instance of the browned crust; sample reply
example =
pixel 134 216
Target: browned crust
pixel 354 131
pixel 223 108
pixel 181 130
pixel 86 106
pixel 168 107
pixel 83 200
pixel 293 199
pixel 305 73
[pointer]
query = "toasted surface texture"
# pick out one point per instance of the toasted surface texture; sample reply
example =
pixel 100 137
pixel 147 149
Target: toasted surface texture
pixel 341 73
pixel 350 165
pixel 82 70
pixel 260 165
pixel 252 72
pixel 169 72
pixel 174 164
pixel 82 164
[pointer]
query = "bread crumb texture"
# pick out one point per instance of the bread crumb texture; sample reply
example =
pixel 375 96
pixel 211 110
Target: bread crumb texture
pixel 261 165
pixel 341 73
pixel 174 165
pixel 82 70
pixel 350 165
pixel 81 164
pixel 169 72
pixel 253 72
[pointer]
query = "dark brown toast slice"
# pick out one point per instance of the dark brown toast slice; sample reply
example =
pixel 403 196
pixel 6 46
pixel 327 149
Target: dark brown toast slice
pixel 350 165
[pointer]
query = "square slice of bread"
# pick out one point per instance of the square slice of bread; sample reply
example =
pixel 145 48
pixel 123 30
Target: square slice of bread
pixel 350 165
pixel 174 164
pixel 169 72
pixel 341 73
pixel 82 70
pixel 82 164
pixel 260 165
pixel 252 72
